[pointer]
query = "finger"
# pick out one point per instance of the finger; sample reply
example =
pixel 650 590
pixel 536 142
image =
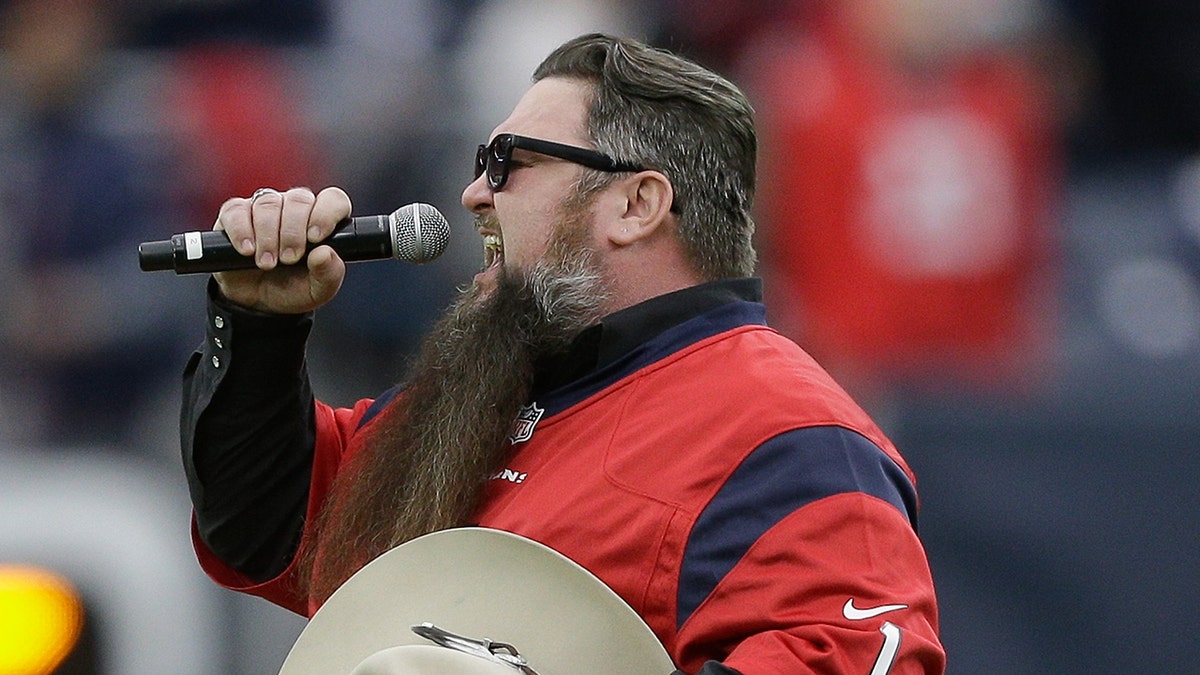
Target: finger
pixel 266 211
pixel 326 271
pixel 293 224
pixel 234 219
pixel 331 207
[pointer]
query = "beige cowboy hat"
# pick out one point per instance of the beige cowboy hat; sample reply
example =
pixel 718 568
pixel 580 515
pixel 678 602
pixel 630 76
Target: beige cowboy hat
pixel 478 602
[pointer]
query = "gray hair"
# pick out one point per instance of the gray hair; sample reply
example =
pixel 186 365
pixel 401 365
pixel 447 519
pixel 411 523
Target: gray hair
pixel 667 113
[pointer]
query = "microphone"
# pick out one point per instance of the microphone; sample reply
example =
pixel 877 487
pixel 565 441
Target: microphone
pixel 416 233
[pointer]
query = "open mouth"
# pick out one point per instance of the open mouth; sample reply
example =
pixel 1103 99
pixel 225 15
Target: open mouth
pixel 493 251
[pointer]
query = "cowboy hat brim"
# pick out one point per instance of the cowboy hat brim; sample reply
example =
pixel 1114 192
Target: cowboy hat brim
pixel 427 660
pixel 481 583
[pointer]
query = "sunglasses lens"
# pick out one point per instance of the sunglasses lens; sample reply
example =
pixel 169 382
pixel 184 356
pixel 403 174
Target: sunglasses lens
pixel 497 162
pixel 490 158
pixel 480 160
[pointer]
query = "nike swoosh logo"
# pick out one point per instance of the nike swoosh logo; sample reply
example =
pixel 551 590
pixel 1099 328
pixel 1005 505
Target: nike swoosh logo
pixel 855 614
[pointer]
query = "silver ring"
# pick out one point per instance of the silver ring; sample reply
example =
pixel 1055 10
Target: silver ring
pixel 264 191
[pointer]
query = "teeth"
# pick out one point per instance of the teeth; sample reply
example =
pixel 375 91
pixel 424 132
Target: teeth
pixel 493 249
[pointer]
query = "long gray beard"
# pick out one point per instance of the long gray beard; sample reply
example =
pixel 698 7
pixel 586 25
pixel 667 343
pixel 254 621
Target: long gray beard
pixel 432 452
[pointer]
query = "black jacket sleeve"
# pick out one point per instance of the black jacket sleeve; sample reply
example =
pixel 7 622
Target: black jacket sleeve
pixel 247 431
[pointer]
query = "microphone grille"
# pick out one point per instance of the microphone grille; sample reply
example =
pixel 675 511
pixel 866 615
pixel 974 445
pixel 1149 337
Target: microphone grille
pixel 419 233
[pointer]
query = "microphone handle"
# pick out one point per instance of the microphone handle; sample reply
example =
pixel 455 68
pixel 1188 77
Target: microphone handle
pixel 354 239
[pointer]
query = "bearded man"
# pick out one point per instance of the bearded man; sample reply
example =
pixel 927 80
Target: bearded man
pixel 606 386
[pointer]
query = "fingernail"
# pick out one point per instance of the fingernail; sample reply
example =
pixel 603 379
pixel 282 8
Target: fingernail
pixel 288 255
pixel 266 259
pixel 313 233
pixel 246 246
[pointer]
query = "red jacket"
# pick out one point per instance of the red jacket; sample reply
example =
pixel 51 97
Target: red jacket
pixel 723 485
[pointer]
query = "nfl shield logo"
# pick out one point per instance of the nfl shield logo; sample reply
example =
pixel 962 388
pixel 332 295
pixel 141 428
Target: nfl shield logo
pixel 526 420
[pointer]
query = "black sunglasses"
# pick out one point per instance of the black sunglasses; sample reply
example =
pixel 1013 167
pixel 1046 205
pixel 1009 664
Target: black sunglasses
pixel 495 158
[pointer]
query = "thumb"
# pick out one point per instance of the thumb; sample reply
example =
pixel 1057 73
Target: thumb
pixel 326 270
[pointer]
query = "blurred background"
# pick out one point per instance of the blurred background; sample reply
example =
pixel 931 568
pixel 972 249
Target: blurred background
pixel 982 215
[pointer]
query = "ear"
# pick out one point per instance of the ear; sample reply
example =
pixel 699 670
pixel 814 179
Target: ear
pixel 643 205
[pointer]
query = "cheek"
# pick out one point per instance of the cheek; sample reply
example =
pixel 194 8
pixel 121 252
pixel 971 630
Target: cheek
pixel 525 237
pixel 526 253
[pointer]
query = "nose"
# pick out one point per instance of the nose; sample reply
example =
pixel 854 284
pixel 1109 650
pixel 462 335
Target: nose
pixel 477 196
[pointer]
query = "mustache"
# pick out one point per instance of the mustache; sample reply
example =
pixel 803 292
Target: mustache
pixel 487 221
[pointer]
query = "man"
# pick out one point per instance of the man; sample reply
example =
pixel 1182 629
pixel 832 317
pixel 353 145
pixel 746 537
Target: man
pixel 606 386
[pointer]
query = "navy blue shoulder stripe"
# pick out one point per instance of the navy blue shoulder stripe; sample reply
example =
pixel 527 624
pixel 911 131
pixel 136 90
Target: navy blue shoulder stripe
pixel 782 475
pixel 724 318
pixel 379 404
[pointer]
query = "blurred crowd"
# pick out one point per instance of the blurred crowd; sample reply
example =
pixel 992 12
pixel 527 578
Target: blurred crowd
pixel 916 157
pixel 955 195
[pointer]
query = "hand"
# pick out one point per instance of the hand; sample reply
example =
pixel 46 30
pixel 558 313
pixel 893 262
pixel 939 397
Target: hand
pixel 275 228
